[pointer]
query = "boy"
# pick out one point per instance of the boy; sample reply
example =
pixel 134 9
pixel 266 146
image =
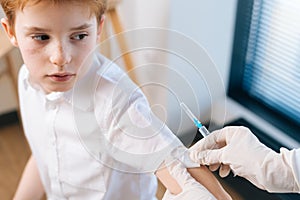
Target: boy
pixel 82 116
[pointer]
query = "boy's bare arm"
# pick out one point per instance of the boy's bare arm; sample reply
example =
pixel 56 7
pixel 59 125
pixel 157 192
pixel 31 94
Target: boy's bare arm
pixel 204 176
pixel 200 174
pixel 30 186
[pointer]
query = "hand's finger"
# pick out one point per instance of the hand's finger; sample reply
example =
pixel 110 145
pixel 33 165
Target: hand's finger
pixel 223 136
pixel 214 167
pixel 207 157
pixel 215 140
pixel 206 143
pixel 224 170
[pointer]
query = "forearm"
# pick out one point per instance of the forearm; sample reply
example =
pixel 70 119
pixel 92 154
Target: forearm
pixel 30 186
pixel 204 176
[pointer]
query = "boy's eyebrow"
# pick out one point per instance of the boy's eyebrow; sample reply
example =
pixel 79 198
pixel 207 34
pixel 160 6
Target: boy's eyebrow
pixel 38 29
pixel 83 26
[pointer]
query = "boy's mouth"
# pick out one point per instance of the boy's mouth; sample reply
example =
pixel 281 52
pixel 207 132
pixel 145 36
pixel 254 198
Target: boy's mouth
pixel 61 77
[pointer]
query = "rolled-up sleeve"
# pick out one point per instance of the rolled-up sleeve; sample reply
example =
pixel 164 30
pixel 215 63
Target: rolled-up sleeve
pixel 136 137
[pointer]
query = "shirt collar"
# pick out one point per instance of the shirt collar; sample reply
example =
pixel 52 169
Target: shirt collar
pixel 26 82
pixel 82 94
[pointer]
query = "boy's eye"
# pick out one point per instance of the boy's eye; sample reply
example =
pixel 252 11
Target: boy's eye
pixel 40 37
pixel 79 36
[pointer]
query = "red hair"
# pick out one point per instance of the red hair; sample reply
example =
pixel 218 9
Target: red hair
pixel 97 7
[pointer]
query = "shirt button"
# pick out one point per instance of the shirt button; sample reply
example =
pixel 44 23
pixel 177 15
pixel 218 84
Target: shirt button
pixel 51 106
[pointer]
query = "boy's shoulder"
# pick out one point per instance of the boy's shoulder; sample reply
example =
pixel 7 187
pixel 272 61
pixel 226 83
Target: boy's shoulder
pixel 108 69
pixel 109 74
pixel 105 82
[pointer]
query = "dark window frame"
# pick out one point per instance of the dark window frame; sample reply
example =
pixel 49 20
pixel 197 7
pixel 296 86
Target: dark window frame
pixel 235 89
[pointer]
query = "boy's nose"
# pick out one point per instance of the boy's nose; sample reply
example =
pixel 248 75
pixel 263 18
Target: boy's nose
pixel 60 56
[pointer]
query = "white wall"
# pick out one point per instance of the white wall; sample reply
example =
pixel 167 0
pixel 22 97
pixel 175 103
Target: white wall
pixel 8 100
pixel 1 12
pixel 136 16
pixel 210 24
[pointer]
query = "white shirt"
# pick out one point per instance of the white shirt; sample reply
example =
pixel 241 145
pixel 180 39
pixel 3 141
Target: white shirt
pixel 98 141
pixel 296 166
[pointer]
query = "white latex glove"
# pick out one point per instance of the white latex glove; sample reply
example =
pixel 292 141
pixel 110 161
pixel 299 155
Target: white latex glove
pixel 247 157
pixel 191 189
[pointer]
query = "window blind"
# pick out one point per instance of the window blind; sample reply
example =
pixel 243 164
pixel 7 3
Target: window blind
pixel 272 63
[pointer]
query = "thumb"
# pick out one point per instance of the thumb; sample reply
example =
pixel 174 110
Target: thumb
pixel 207 157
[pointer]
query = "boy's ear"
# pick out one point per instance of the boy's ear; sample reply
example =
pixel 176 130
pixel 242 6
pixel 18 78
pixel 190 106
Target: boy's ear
pixel 9 31
pixel 100 28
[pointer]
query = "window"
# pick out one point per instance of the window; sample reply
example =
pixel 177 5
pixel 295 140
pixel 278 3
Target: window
pixel 265 68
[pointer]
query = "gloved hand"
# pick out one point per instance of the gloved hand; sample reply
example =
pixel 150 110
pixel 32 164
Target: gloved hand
pixel 238 148
pixel 191 189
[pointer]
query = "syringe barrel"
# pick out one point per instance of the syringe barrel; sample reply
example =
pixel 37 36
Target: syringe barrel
pixel 204 132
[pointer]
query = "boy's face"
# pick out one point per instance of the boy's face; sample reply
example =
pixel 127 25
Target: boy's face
pixel 54 41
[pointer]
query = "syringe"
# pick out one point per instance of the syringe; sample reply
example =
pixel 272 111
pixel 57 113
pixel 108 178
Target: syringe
pixel 202 129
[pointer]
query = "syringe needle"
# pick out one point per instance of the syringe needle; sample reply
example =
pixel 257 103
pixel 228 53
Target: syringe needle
pixel 191 115
pixel 202 129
